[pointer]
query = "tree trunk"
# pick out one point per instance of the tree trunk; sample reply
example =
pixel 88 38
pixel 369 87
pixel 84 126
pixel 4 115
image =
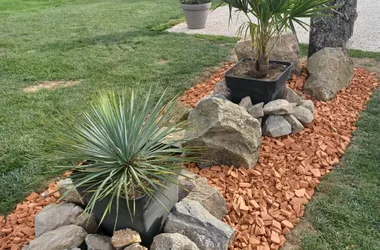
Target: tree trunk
pixel 335 30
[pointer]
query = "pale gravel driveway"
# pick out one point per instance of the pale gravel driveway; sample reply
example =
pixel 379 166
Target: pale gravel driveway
pixel 366 32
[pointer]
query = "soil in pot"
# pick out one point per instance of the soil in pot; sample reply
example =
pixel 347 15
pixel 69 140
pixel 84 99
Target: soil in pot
pixel 241 82
pixel 244 70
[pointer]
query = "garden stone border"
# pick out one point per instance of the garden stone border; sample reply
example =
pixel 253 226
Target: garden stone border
pixel 209 204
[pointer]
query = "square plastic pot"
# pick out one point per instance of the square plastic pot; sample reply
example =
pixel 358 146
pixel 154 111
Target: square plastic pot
pixel 259 90
pixel 149 217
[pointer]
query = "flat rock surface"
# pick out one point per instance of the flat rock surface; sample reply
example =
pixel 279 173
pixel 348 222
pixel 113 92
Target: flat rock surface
pixel 191 219
pixel 57 215
pixel 65 237
pixel 276 126
pixel 125 237
pixel 172 241
pixel 98 242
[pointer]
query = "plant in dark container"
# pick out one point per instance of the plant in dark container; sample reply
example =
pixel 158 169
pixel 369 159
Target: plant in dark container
pixel 130 179
pixel 196 12
pixel 261 79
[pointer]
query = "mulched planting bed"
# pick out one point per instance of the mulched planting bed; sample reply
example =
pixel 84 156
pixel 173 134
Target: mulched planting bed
pixel 265 202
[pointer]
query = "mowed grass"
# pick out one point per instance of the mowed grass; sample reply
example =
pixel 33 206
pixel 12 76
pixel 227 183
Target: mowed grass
pixel 105 45
pixel 345 210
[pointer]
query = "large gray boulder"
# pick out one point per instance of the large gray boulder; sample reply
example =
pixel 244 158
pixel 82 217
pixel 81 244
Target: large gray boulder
pixel 65 237
pixel 98 242
pixel 227 134
pixel 54 216
pixel 276 126
pixel 172 241
pixel 335 28
pixel 209 198
pixel 286 49
pixel 278 107
pixel 330 70
pixel 69 193
pixel 191 219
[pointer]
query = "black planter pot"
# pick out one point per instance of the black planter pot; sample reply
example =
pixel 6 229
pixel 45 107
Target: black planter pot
pixel 259 90
pixel 148 219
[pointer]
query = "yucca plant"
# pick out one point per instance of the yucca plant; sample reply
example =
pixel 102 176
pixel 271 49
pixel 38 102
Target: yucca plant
pixel 270 18
pixel 124 142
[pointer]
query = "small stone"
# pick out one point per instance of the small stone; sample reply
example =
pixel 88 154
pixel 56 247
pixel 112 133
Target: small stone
pixel 54 216
pixel 98 242
pixel 293 96
pixel 135 246
pixel 308 104
pixel 191 219
pixel 209 198
pixel 69 193
pixel 287 224
pixel 278 107
pixel 167 241
pixel 125 237
pixel 246 103
pixel 65 237
pixel 294 123
pixel 275 238
pixel 303 115
pixel 276 126
pixel 257 110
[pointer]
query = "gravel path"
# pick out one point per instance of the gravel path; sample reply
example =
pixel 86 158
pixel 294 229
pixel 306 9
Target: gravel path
pixel 366 33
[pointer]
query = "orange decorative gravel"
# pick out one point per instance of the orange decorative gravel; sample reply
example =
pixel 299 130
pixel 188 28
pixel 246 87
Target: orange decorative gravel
pixel 200 90
pixel 265 202
pixel 18 228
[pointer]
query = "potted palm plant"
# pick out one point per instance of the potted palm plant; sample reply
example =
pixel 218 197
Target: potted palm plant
pixel 130 179
pixel 261 79
pixel 196 12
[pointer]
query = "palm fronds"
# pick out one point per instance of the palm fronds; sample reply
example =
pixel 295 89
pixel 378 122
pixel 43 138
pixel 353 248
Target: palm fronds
pixel 269 18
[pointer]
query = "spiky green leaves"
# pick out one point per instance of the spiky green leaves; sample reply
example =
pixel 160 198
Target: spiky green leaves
pixel 124 140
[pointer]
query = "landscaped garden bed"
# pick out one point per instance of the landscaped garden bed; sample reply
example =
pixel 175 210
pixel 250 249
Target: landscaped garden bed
pixel 265 202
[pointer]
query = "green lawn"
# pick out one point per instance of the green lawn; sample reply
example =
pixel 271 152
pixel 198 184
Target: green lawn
pixel 113 44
